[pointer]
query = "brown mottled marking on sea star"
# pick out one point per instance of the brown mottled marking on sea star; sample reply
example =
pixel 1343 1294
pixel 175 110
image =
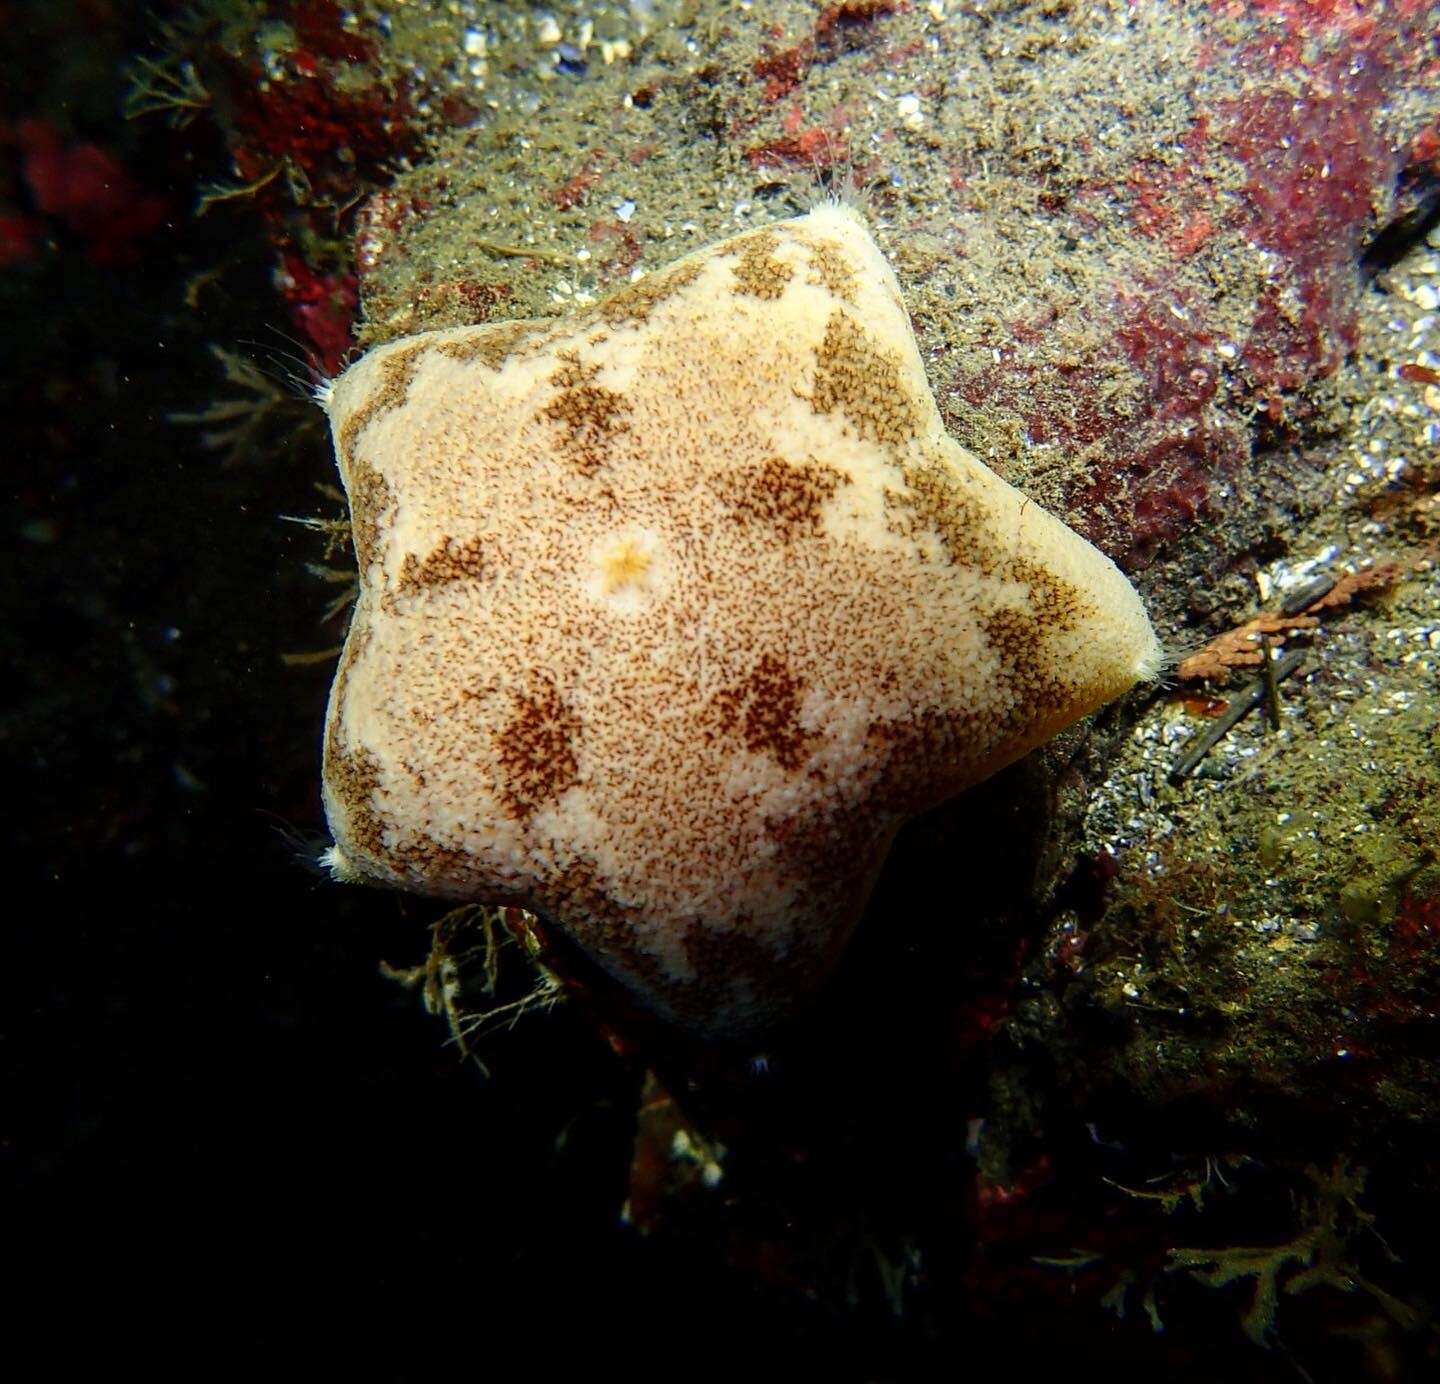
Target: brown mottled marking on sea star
pixel 1056 603
pixel 353 777
pixel 830 269
pixel 450 560
pixel 633 304
pixel 1017 639
pixel 420 854
pixel 589 414
pixel 939 499
pixel 758 273
pixel 397 372
pixel 579 887
pixel 496 345
pixel 906 749
pixel 786 495
pixel 765 708
pixel 536 749
pixel 858 377
pixel 370 497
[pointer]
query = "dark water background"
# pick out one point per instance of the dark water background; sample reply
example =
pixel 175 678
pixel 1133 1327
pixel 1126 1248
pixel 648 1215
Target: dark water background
pixel 222 1131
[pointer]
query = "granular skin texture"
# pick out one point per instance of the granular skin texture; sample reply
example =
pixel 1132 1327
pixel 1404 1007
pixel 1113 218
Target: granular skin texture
pixel 670 613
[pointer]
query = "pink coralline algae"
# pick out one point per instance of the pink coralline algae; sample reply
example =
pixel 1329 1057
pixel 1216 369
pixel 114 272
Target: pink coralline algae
pixel 784 68
pixel 1313 164
pixel 1294 165
pixel 322 306
pixel 811 147
pixel 312 127
pixel 81 189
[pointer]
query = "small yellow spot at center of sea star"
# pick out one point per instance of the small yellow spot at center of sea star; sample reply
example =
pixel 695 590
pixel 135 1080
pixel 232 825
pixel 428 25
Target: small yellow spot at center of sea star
pixel 626 565
pixel 627 570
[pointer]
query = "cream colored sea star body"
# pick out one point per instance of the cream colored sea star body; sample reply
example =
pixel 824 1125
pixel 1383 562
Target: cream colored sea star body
pixel 671 612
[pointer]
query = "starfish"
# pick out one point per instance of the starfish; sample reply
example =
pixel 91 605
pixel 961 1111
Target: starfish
pixel 672 611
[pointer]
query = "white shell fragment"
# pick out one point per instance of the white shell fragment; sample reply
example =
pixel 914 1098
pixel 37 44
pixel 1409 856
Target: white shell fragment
pixel 672 611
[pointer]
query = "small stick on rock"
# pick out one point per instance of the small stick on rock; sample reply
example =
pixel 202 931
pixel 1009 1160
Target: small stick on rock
pixel 1304 596
pixel 1272 685
pixel 1243 704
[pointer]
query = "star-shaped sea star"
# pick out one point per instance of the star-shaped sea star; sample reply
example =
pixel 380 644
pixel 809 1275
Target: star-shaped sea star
pixel 672 611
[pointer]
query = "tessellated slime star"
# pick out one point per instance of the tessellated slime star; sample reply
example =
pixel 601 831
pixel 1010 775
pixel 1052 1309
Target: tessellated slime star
pixel 672 611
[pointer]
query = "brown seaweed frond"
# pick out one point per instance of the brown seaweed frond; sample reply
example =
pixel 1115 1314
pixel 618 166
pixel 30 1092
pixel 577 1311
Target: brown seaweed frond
pixel 1246 644
pixel 1377 578
pixel 1323 1253
pixel 1242 647
pixel 212 194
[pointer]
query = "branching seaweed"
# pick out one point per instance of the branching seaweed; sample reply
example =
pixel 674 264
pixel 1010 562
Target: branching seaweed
pixel 338 539
pixel 1331 1237
pixel 1323 1253
pixel 212 194
pixel 166 85
pixel 236 426
pixel 463 964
